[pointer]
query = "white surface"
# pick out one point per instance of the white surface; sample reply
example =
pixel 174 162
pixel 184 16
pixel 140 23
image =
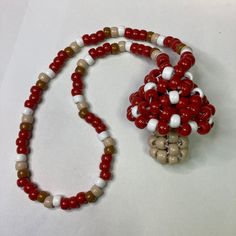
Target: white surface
pixel 197 198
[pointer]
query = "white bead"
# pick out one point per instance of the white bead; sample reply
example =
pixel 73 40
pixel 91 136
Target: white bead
pixel 103 135
pixel 134 111
pixel 189 75
pixel 174 121
pixel 80 42
pixel 152 125
pixel 193 125
pixel 128 46
pixel 185 49
pixel 199 91
pixel 167 72
pixel 78 98
pixel 121 31
pixel 21 157
pixel 160 40
pixel 174 97
pixel 149 85
pixel 50 73
pixel 90 61
pixel 100 182
pixel 27 111
pixel 56 201
pixel 211 120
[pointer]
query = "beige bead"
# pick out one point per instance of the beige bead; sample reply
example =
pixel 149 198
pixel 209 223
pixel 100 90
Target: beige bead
pixel 43 77
pixel 173 149
pixel 183 154
pixel 97 192
pixel 21 165
pixel 122 46
pixel 153 152
pixel 154 54
pixel 27 119
pixel 82 63
pixel 173 137
pixel 114 32
pixel 154 38
pixel 160 143
pixel 173 160
pixel 75 47
pixel 82 105
pixel 161 156
pixel 108 142
pixel 151 141
pixel 183 142
pixel 48 202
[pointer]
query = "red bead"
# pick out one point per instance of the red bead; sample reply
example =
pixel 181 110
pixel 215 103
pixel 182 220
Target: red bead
pixel 104 165
pixel 58 61
pixel 75 76
pixel 100 128
pixel 76 91
pixel 142 35
pixel 129 115
pixel 185 63
pixel 154 107
pixel 65 204
pixel 185 88
pixel 63 55
pixel 107 47
pixel 162 86
pixel 93 38
pixel 96 121
pixel 106 157
pixel 194 109
pixel 135 34
pixel 142 108
pixel 154 73
pixel 166 113
pixel 183 102
pixel 81 199
pixel 174 83
pixel 134 48
pixel 164 100
pixel 212 108
pixel 105 175
pixel 184 130
pixel 203 127
pixel 179 70
pixel 141 122
pixel 141 92
pixel 22 182
pixel 100 51
pixel 73 202
pixel 22 150
pixel 163 65
pixel 174 42
pixel 36 90
pixel 162 58
pixel 204 114
pixel 33 194
pixel 86 39
pixel 151 95
pixel 89 117
pixel 24 134
pixel 128 33
pixel 163 127
pixel 93 53
pixel 150 78
pixel 22 142
pixel 146 51
pixel 30 104
pixel 100 35
pixel 196 99
pixel 136 100
pixel 35 98
pixel 185 115
pixel 78 84
pixel 29 187
pixel 167 41
pixel 55 67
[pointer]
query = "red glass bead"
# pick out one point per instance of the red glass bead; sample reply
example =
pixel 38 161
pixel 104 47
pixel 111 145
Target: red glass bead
pixel 63 55
pixel 141 92
pixel 58 61
pixel 54 67
pixel 151 95
pixel 212 108
pixel 185 88
pixel 22 142
pixel 76 91
pixel 100 51
pixel 164 100
pixel 174 43
pixel 104 165
pixel 73 202
pixel 142 108
pixel 183 102
pixel 100 128
pixel 154 107
pixel 154 72
pixel 96 121
pixel 185 129
pixel 167 41
pixel 185 63
pixel 203 127
pixel 142 35
pixel 22 150
pixel 141 122
pixel 163 127
pixel 146 51
pixel 194 109
pixel 81 199
pixel 86 39
pixel 196 99
pixel 93 53
pixel 204 114
pixel 22 182
pixel 150 78
pixel 162 58
pixel 166 113
pixel 162 86
pixel 128 33
pixel 78 84
pixel 29 187
pixel 65 204
pixel 134 48
pixel 100 35
pixel 30 104
pixel 174 83
pixel 107 47
pixel 93 38
pixel 33 194
pixel 106 157
pixel 105 175
pixel 24 134
pixel 89 117
pixel 136 101
pixel 35 98
pixel 135 34
pixel 36 90
pixel 179 70
pixel 129 115
pixel 185 115
pixel 75 76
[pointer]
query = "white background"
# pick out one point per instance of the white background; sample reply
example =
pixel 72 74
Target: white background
pixel 197 198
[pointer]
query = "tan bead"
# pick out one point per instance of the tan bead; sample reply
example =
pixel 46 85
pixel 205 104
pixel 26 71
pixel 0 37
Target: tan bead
pixel 173 160
pixel 179 47
pixel 75 47
pixel 107 32
pixel 154 38
pixel 43 77
pixel 184 142
pixel 160 143
pixel 48 202
pixel 82 105
pixel 173 149
pixel 41 84
pixel 97 192
pixel 153 152
pixel 69 51
pixel 114 32
pixel 173 137
pixel 115 48
pixel 108 141
pixel 26 126
pixel 82 63
pixel 21 165
pixel 109 149
pixel 27 119
pixel 154 54
pixel 90 197
pixel 83 112
pixel 121 45
pixel 162 156
pixel 23 173
pixel 183 154
pixel 185 47
pixel 151 141
pixel 81 70
pixel 149 36
pixel 42 196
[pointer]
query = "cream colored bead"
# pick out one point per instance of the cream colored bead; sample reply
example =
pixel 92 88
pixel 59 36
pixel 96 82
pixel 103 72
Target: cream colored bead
pixel 43 77
pixel 183 142
pixel 154 38
pixel 82 63
pixel 173 137
pixel 173 160
pixel 27 119
pixel 183 154
pixel 97 192
pixel 122 46
pixel 75 47
pixel 160 143
pixel 155 54
pixel 151 141
pixel 173 149
pixel 161 156
pixel 82 105
pixel 153 152
pixel 114 32
pixel 48 202
pixel 108 142
pixel 21 165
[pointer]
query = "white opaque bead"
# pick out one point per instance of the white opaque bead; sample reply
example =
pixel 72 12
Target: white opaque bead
pixel 152 125
pixel 56 201
pixel 185 49
pixel 80 42
pixel 134 111
pixel 100 182
pixel 50 73
pixel 211 120
pixel 174 121
pixel 128 46
pixel 149 85
pixel 121 31
pixel 199 91
pixel 167 73
pixel 78 98
pixel 21 157
pixel 103 135
pixel 89 60
pixel 27 111
pixel 193 125
pixel 160 40
pixel 174 97
pixel 189 75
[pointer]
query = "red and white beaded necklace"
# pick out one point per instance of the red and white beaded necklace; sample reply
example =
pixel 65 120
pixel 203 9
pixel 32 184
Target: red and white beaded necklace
pixel 169 104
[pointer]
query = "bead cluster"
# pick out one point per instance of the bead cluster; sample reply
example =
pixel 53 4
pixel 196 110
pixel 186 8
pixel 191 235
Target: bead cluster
pixel 167 92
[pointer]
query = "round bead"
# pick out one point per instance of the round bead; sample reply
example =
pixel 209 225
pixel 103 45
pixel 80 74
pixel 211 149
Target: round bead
pixel 78 98
pixel 43 77
pixel 121 31
pixel 121 45
pixel 100 182
pixel 162 156
pixel 114 32
pixel 193 125
pixel 97 192
pixel 153 152
pixel 75 47
pixel 149 85
pixel 50 73
pixel 21 157
pixel 109 149
pixel 42 196
pixel 134 111
pixel 21 165
pixel 89 60
pixel 128 46
pixel 173 160
pixel 173 149
pixel 27 119
pixel 108 141
pixel 82 63
pixel 82 105
pixel 175 121
pixel 184 142
pixel 185 49
pixel 154 38
pixel 27 111
pixel 199 91
pixel 155 54
pixel 103 135
pixel 23 173
pixel 90 197
pixel 173 137
pixel 160 40
pixel 183 154
pixel 48 202
pixel 152 125
pixel 174 97
pixel 160 143
pixel 167 72
pixel 56 201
